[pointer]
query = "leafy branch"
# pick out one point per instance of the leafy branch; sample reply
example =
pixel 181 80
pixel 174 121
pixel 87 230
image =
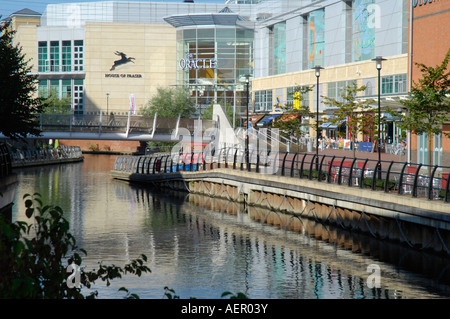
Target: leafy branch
pixel 33 256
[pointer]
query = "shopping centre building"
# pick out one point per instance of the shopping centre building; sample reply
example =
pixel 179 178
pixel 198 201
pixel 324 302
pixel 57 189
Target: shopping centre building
pixel 111 56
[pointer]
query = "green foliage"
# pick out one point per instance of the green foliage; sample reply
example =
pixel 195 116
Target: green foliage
pixel 17 86
pixel 54 105
pixel 32 257
pixel 290 123
pixel 357 114
pixel 428 105
pixel 169 102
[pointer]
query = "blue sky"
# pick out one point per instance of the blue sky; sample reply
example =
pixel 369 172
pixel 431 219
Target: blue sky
pixel 10 6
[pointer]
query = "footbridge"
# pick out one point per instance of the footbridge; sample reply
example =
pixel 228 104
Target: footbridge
pixel 120 127
pixel 399 201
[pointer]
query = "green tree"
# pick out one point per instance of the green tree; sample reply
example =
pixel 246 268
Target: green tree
pixel 428 105
pixel 35 258
pixel 170 102
pixel 357 113
pixel 54 105
pixel 290 123
pixel 17 87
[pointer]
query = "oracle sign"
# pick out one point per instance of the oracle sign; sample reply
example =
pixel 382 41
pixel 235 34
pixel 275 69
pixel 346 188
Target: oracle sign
pixel 191 63
pixel 422 2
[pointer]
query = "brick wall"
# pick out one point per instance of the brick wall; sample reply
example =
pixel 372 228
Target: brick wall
pixel 431 41
pixel 104 146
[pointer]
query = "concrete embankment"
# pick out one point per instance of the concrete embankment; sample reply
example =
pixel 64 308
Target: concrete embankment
pixel 420 223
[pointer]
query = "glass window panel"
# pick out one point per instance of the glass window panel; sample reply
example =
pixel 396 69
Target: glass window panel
pixel 205 33
pixel 43 88
pixel 400 83
pixel 42 56
pixel 279 48
pixel 387 84
pixel 190 34
pixel 225 33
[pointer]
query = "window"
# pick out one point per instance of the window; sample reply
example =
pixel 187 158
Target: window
pixel 387 85
pixel 66 56
pixel 54 56
pixel 66 88
pixel 43 88
pixel 279 48
pixel 336 89
pixel 291 94
pixel 263 101
pixel 78 99
pixel 54 87
pixel 78 58
pixel 393 84
pixel 42 56
pixel 400 83
pixel 422 149
pixel 437 151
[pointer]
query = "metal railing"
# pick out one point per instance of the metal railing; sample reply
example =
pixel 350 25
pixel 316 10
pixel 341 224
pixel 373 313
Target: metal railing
pixel 103 123
pixel 26 156
pixel 415 180
pixel 5 161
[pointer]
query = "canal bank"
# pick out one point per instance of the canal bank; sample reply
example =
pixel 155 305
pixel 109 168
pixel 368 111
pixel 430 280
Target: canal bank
pixel 187 236
pixel 416 222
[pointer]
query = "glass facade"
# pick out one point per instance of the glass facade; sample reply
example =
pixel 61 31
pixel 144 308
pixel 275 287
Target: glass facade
pixel 66 57
pixel 213 62
pixel 316 38
pixel 72 88
pixel 279 48
pixel 363 30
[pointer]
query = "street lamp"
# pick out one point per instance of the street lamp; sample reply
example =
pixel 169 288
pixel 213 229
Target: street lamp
pixel 247 159
pixel 379 61
pixel 317 72
pixel 107 108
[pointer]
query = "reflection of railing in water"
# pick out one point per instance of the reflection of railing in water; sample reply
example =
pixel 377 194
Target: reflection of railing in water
pixel 317 242
pixel 435 267
pixel 407 179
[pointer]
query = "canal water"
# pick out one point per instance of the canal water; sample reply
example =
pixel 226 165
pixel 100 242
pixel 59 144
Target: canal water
pixel 201 247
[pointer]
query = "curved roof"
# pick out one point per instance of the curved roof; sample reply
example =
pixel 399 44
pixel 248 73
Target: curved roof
pixel 194 19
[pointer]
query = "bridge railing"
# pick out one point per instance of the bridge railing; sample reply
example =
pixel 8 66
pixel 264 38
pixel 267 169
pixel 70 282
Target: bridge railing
pixel 408 179
pixel 104 123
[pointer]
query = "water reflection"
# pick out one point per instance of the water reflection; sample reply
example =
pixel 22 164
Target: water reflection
pixel 201 247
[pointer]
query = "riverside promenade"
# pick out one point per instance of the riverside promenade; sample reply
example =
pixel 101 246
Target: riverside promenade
pixel 391 200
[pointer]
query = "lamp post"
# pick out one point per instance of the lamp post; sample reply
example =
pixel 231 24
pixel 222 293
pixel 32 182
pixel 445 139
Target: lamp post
pixel 107 108
pixel 247 151
pixel 379 61
pixel 317 69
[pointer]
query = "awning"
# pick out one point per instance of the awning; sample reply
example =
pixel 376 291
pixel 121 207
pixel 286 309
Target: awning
pixel 266 120
pixel 328 125
pixel 331 125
